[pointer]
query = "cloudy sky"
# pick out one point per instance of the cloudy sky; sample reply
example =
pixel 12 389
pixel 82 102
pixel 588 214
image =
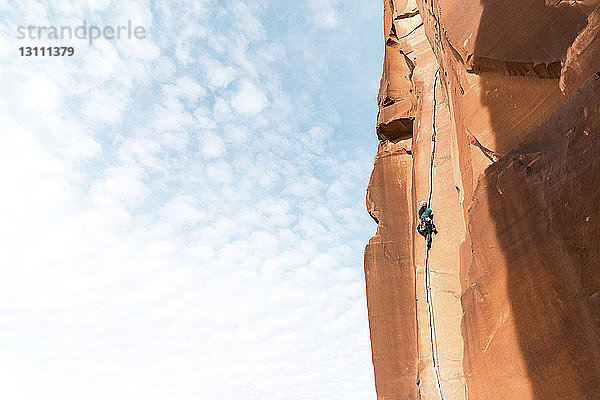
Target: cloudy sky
pixel 182 217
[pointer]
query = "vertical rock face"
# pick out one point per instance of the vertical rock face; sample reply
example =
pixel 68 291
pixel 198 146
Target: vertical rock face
pixel 506 304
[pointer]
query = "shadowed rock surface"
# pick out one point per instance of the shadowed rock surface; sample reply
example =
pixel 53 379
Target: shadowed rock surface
pixel 509 93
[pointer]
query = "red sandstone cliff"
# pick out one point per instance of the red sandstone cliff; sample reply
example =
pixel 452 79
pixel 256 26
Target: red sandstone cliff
pixel 506 305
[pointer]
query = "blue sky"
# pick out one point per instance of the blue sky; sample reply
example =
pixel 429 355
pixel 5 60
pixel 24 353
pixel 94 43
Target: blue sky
pixel 183 216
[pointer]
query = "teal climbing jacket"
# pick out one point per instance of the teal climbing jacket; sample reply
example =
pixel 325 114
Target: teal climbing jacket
pixel 425 212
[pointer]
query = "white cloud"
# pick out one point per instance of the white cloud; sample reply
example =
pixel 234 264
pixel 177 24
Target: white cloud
pixel 185 88
pixel 249 99
pixel 222 110
pixel 142 151
pixel 219 172
pixel 271 206
pixel 43 94
pixel 316 138
pixel 71 140
pixel 124 184
pixel 106 105
pixel 218 75
pixel 4 46
pixel 204 120
pixel 247 22
pixel 325 14
pixel 97 5
pixel 142 49
pixel 183 52
pixel 182 211
pixel 190 88
pixel 212 146
pixel 237 134
pixel 34 182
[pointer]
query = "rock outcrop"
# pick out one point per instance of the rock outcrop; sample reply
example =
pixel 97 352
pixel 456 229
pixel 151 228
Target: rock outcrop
pixel 490 109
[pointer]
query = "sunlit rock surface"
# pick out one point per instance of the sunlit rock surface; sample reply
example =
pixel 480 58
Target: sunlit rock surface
pixel 510 91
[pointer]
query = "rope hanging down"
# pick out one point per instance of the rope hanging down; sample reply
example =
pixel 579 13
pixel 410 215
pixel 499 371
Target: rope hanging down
pixel 432 333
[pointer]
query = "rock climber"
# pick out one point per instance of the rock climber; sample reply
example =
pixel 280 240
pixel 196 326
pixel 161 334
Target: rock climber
pixel 425 219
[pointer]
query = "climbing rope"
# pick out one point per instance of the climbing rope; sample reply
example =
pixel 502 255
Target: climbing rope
pixel 429 296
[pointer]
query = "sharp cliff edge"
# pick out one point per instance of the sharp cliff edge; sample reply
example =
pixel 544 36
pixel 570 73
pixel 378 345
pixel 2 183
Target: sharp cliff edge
pixel 490 110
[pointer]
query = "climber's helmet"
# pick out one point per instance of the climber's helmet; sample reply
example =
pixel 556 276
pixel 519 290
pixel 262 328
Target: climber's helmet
pixel 423 203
